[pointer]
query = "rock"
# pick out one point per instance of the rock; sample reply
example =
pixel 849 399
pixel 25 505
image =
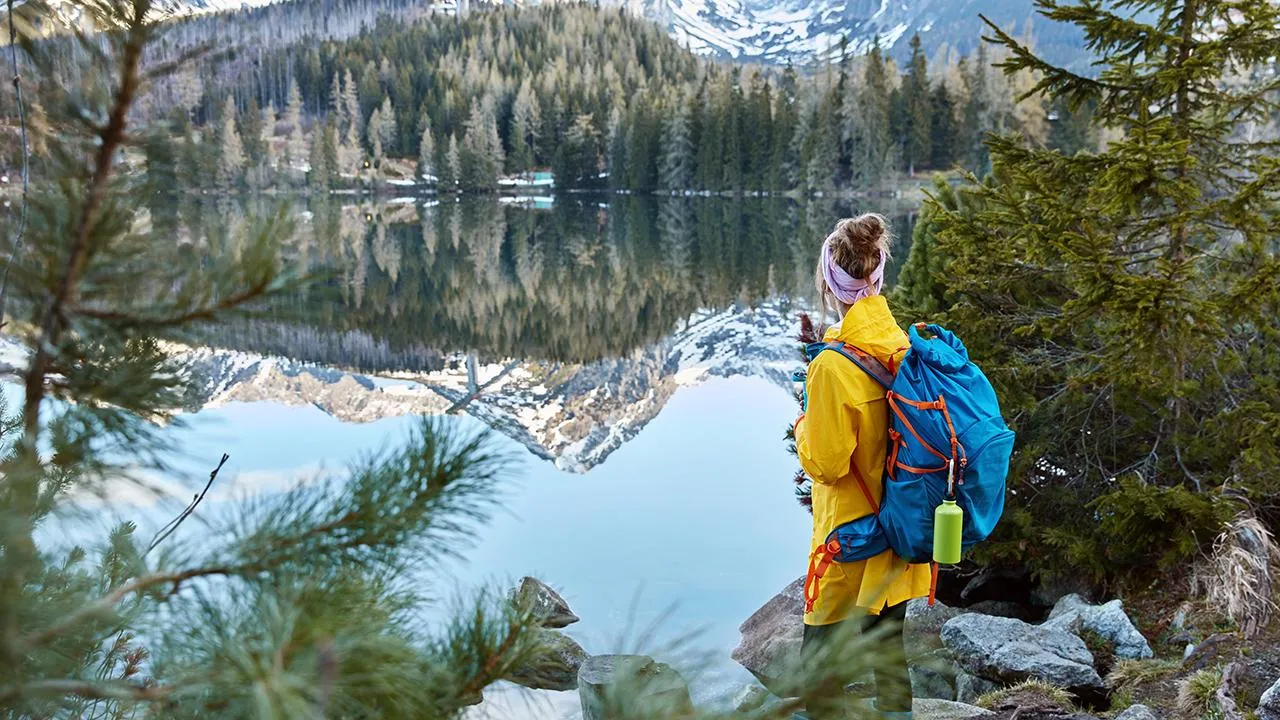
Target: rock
pixel 749 698
pixel 1109 621
pixel 605 682
pixel 556 668
pixel 971 687
pixel 1137 712
pixel 932 709
pixel 771 638
pixel 1005 608
pixel 1269 704
pixel 547 603
pixel 929 681
pixel 923 618
pixel 1008 651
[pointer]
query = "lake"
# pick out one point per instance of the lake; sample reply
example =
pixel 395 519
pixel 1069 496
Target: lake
pixel 633 353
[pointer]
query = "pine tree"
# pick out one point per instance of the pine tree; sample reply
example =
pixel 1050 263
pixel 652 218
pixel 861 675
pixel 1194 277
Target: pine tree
pixel 375 137
pixel 296 145
pixel 873 139
pixel 427 155
pixel 449 169
pixel 918 110
pixel 387 123
pixel 524 128
pixel 942 128
pixel 230 147
pixel 1125 302
pixel 676 165
pixel 283 606
pixel 481 159
pixel 977 113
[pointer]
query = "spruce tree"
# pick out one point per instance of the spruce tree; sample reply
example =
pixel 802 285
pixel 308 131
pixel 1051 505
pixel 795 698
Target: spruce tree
pixel 427 155
pixel 230 147
pixel 295 146
pixel 873 139
pixel 675 169
pixel 449 168
pixel 1125 301
pixel 918 110
pixel 942 128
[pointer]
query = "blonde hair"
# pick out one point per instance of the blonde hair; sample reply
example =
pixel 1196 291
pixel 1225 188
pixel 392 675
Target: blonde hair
pixel 857 246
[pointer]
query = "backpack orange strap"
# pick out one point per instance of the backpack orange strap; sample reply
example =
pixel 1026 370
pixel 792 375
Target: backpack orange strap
pixel 933 583
pixel 819 562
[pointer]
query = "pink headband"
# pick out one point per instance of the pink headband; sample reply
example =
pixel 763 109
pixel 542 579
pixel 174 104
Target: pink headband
pixel 847 288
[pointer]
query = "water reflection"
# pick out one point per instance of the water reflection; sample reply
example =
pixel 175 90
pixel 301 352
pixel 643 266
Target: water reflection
pixel 585 280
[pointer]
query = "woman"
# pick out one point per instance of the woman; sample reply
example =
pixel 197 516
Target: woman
pixel 843 435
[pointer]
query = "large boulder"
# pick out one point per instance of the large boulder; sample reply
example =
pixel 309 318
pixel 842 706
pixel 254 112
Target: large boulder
pixel 772 636
pixel 932 709
pixel 547 604
pixel 1108 621
pixel 924 624
pixel 1269 705
pixel 556 667
pixel 1006 650
pixel 610 684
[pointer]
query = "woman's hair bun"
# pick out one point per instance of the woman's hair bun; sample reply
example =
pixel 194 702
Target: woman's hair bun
pixel 857 243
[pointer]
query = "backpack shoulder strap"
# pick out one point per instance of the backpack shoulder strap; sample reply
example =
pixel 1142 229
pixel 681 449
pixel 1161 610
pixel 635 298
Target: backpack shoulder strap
pixel 870 365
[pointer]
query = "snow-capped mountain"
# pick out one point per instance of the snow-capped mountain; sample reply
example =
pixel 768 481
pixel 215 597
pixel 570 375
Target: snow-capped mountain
pixel 800 31
pixel 572 415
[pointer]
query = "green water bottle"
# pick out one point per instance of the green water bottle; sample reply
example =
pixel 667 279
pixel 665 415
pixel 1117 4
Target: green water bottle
pixel 948 527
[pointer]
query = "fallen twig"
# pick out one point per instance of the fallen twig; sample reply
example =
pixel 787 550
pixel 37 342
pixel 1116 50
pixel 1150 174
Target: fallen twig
pixel 173 524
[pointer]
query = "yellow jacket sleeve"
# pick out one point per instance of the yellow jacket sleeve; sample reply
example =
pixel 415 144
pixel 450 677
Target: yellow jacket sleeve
pixel 826 436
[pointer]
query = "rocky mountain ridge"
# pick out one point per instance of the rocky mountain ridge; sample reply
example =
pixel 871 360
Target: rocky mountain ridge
pixel 574 415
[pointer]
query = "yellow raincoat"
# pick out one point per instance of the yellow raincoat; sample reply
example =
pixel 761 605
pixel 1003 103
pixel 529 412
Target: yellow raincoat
pixel 847 421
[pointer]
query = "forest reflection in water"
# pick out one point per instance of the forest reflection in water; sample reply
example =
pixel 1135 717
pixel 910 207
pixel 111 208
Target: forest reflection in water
pixel 401 284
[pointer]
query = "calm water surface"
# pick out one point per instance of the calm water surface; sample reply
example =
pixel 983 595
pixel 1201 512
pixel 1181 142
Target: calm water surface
pixel 632 353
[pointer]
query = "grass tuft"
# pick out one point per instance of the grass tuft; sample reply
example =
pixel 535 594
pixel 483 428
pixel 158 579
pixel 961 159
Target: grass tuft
pixel 1129 673
pixel 1196 694
pixel 1053 693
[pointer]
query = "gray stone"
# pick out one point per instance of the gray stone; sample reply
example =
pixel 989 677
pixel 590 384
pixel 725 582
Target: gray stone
pixel 547 603
pixel 771 638
pixel 1008 651
pixel 607 682
pixel 1137 712
pixel 1002 608
pixel 928 681
pixel 749 698
pixel 932 709
pixel 923 618
pixel 1108 621
pixel 1269 704
pixel 556 667
pixel 971 687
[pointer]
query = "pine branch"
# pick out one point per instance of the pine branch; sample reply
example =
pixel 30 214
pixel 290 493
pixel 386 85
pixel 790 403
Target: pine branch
pixel 87 690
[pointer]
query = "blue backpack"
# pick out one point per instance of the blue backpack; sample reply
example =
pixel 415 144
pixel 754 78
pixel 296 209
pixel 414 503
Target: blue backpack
pixel 946 437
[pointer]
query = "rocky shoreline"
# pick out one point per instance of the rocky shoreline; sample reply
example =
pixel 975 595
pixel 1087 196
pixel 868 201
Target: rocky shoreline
pixel 1082 661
